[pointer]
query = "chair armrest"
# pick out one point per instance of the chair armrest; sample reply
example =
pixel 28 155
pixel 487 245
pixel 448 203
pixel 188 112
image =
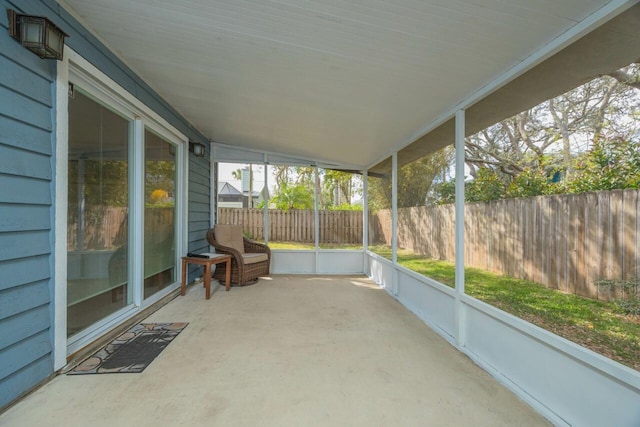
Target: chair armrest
pixel 220 249
pixel 251 246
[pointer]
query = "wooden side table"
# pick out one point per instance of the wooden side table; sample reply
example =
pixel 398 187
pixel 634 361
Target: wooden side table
pixel 206 263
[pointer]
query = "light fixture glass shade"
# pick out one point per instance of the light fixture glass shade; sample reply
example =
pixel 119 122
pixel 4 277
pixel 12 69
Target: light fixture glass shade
pixel 32 31
pixel 197 149
pixel 53 41
pixel 37 34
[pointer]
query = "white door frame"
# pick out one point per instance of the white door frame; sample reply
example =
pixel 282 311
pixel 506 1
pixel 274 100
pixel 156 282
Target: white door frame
pixel 110 93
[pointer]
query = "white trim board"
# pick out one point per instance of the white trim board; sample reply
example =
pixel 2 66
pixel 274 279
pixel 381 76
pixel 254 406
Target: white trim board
pixel 60 215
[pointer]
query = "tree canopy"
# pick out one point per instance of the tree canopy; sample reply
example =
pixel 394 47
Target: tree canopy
pixel 415 181
pixel 586 139
pixel 295 188
pixel 293 197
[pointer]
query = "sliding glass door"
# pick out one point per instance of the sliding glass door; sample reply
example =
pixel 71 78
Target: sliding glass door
pixel 159 213
pixel 98 213
pixel 126 198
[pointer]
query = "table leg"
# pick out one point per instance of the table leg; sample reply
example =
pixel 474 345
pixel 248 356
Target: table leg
pixel 183 286
pixel 228 274
pixel 207 280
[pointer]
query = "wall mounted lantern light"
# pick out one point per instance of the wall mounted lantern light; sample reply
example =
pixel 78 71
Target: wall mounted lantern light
pixel 197 149
pixel 37 34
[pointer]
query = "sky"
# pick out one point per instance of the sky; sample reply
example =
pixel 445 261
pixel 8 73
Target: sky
pixel 225 170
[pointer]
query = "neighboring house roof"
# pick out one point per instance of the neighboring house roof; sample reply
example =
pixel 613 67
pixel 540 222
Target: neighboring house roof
pixel 226 189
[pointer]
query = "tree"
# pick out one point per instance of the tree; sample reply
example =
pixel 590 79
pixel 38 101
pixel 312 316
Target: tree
pixel 335 188
pixel 610 165
pixel 293 197
pixel 159 175
pixel 237 174
pixel 105 182
pixel 281 175
pixel 487 185
pixel 562 137
pixel 305 176
pixel 415 181
pixel 341 187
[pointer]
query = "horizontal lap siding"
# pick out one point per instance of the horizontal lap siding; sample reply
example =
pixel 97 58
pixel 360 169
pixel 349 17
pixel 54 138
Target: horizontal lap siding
pixel 26 189
pixel 25 216
pixel 199 208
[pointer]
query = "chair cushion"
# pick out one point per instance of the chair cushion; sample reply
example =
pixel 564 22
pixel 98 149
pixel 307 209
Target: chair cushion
pixel 252 258
pixel 229 235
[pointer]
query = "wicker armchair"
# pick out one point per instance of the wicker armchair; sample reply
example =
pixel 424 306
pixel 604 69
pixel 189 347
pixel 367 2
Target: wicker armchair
pixel 249 260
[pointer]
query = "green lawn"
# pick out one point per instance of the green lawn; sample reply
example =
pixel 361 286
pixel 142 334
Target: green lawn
pixel 597 325
pixel 304 246
pixel 291 245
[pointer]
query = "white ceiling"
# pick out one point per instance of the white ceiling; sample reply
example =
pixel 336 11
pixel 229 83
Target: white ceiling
pixel 338 81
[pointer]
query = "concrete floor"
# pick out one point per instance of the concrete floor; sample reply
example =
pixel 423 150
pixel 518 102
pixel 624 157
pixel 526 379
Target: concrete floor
pixel 288 351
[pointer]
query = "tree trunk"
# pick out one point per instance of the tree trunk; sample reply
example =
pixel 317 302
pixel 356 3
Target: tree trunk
pixel 565 134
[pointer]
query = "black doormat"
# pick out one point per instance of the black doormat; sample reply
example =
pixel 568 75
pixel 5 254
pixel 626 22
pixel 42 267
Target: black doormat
pixel 132 351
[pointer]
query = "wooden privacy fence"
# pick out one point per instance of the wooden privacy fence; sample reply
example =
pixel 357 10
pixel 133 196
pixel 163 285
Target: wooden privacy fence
pixel 105 227
pixel 565 242
pixel 340 227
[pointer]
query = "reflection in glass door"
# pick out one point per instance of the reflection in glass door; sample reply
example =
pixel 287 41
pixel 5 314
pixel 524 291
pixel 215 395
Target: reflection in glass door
pixel 159 214
pixel 98 210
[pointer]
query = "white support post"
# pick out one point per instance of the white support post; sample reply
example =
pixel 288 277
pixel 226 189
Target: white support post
pixel 365 220
pixel 394 220
pixel 459 228
pixel 266 200
pixel 365 210
pixel 316 217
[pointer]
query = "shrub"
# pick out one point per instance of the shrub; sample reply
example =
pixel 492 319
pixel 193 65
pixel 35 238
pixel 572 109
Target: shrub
pixel 625 293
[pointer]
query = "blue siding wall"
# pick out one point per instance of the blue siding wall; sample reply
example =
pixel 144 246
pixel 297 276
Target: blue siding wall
pixel 27 120
pixel 199 208
pixel 25 216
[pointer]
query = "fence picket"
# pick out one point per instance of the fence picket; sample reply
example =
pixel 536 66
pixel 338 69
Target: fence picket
pixel 629 235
